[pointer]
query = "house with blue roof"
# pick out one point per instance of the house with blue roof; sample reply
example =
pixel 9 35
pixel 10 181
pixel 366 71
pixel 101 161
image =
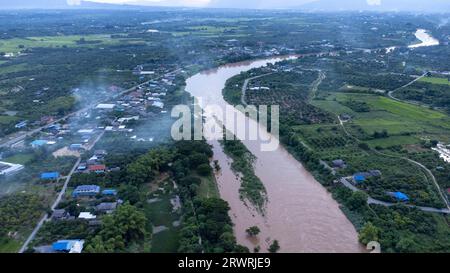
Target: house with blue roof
pixel 50 176
pixel 86 191
pixel 76 147
pixel 109 192
pixel 400 196
pixel 68 246
pixel 38 143
pixel 359 178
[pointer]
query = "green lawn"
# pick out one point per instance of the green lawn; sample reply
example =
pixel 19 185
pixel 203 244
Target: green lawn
pixel 387 114
pixel 19 159
pixel 13 45
pixel 5 120
pixel 166 241
pixel 393 141
pixel 435 80
pixel 12 246
pixel 161 213
pixel 208 188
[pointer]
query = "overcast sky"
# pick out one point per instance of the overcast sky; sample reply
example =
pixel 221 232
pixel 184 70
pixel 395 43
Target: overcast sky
pixel 323 5
pixel 215 3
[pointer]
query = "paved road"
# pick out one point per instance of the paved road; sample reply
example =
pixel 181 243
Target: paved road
pixel 69 176
pixel 370 200
pixel 423 167
pixel 391 93
pixel 315 85
pixel 430 174
pixel 21 136
pixel 246 82
pixel 58 198
pixel 54 205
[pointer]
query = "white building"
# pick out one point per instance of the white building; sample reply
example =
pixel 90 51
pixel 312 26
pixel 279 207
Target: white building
pixel 9 168
pixel 158 104
pixel 86 216
pixel 105 106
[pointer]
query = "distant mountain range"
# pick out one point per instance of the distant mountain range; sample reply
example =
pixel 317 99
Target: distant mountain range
pixel 378 5
pixel 315 5
pixel 47 4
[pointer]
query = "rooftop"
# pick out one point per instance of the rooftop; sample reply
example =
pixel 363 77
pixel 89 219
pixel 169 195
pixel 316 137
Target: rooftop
pixel 50 175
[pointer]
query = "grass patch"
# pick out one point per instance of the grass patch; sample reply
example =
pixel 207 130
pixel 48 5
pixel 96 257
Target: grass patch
pixel 393 141
pixel 11 246
pixel 160 213
pixel 435 80
pixel 387 114
pixel 166 241
pixel 208 187
pixel 19 44
pixel 22 159
pixel 5 120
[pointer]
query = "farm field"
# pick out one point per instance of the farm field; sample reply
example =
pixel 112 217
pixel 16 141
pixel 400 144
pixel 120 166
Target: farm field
pixel 397 118
pixel 435 80
pixel 160 213
pixel 208 187
pixel 406 126
pixel 17 45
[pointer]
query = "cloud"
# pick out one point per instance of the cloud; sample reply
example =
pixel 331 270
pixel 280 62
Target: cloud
pixel 193 3
pixel 73 2
pixel 214 3
pixel 374 2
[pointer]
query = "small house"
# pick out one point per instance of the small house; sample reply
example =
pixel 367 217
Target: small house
pixel 345 117
pixel 86 132
pixel 82 167
pixel 68 246
pixel 375 173
pixel 86 191
pixel 93 160
pixel 399 196
pixel 76 147
pixel 338 163
pixel 107 207
pixel 9 168
pixel 97 168
pixel 109 192
pixel 21 124
pixel 359 178
pixel 100 153
pixel 47 120
pixel 50 176
pixel 38 143
pixel 86 216
pixel 158 104
pixel 60 214
pixel 105 106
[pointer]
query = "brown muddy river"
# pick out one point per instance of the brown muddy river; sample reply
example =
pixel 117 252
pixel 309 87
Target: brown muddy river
pixel 300 213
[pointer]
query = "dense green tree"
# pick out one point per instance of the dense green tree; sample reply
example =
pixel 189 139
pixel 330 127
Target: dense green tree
pixel 357 200
pixel 369 233
pixel 274 247
pixel 204 170
pixel 253 231
pixel 125 226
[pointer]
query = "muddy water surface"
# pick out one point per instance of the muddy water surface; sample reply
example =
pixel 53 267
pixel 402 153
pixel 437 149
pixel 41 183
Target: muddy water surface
pixel 300 213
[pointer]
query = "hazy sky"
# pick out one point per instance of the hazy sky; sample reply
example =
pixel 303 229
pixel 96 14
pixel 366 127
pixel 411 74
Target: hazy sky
pixel 216 3
pixel 330 5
